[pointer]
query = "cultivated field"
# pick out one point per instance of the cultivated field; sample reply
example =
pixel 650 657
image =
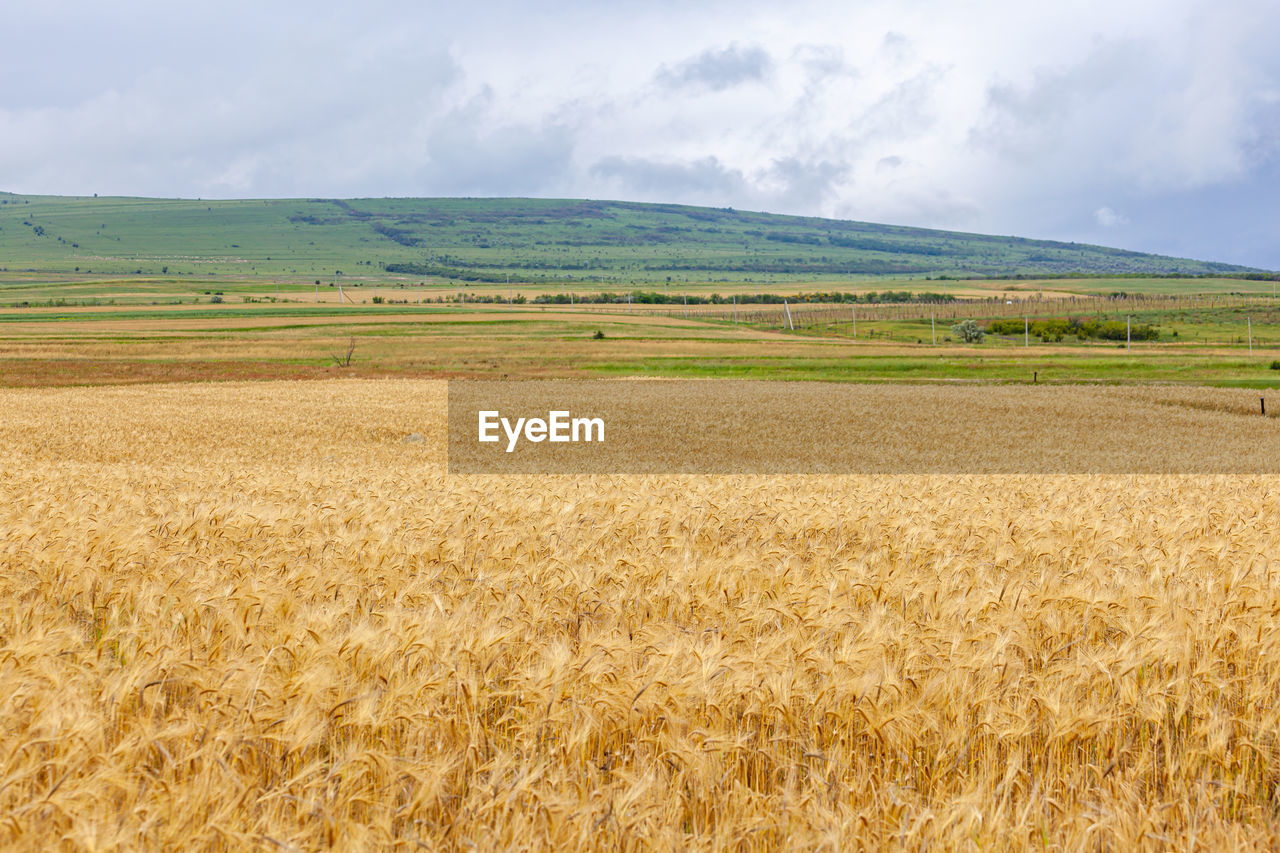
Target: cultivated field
pixel 1235 344
pixel 255 615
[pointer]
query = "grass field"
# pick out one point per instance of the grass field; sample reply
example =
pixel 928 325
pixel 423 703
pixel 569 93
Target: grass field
pixel 127 343
pixel 254 615
pixel 524 240
pixel 232 290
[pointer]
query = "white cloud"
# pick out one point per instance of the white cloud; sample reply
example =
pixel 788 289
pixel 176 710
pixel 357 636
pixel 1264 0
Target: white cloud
pixel 1108 218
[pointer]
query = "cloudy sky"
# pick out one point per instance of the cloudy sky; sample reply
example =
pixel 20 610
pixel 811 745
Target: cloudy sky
pixel 1147 124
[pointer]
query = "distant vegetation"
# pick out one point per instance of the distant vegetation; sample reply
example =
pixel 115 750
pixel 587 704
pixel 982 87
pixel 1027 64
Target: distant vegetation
pixel 1057 328
pixel 655 298
pixel 521 240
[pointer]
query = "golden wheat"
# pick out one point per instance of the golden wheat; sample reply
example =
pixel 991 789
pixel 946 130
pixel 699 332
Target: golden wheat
pixel 251 615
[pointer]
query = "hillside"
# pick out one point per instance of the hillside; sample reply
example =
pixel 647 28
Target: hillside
pixel 520 239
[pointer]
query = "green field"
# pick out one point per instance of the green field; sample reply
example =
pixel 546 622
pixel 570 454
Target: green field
pixel 128 290
pixel 521 240
pixel 264 340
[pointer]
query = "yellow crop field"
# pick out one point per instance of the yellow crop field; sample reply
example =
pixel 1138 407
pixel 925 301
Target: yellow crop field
pixel 262 615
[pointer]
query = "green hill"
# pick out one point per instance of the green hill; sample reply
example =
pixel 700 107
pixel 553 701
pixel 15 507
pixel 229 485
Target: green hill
pixel 524 239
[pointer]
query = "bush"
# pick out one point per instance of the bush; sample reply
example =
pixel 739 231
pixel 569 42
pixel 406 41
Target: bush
pixel 1056 328
pixel 215 299
pixel 1113 330
pixel 968 331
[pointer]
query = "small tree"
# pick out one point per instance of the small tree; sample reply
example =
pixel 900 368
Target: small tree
pixel 968 331
pixel 345 360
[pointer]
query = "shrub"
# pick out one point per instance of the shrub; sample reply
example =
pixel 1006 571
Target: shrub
pixel 1057 328
pixel 968 331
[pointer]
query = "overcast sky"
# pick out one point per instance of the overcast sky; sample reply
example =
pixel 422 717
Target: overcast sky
pixel 1136 123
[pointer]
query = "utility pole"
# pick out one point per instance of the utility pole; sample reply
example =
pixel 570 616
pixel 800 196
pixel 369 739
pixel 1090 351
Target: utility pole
pixel 1128 332
pixel 1026 332
pixel 933 327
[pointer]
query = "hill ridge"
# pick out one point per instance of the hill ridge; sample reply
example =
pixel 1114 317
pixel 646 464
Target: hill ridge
pixel 525 239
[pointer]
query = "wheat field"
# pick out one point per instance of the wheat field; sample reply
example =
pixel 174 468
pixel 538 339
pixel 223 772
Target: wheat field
pixel 253 615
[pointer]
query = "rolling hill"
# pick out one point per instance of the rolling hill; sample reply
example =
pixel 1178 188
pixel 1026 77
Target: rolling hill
pixel 518 239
